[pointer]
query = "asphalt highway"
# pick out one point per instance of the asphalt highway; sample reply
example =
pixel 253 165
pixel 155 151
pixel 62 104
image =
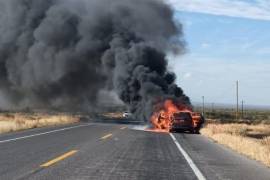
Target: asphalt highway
pixel 118 151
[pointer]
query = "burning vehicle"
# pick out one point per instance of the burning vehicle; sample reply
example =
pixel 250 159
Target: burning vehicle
pixel 186 121
pixel 173 117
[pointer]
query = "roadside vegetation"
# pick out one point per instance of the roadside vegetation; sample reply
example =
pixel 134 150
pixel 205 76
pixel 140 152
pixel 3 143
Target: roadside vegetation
pixel 249 135
pixel 10 121
pixel 117 115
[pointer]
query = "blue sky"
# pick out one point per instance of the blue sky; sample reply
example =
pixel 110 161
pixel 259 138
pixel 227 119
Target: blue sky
pixel 224 46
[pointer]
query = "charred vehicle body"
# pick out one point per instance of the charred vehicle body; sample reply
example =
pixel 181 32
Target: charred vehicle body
pixel 186 121
pixel 182 121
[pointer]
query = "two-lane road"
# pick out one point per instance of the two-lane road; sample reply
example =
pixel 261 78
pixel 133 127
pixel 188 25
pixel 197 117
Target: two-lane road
pixel 108 151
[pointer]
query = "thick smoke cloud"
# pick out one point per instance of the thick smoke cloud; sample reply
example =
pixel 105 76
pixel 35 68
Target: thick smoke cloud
pixel 62 53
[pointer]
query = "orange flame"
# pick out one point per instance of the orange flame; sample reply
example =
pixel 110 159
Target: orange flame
pixel 161 119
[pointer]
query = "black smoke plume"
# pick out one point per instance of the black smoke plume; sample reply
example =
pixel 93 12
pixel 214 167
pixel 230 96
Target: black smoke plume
pixel 62 53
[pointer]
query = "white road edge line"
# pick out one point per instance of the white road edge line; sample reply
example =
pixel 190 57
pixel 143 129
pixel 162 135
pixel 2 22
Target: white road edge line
pixel 39 134
pixel 193 166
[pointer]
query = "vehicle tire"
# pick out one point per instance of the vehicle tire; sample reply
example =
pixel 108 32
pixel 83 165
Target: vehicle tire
pixel 196 131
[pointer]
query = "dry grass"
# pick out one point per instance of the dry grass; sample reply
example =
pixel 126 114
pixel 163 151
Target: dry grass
pixel 19 121
pixel 250 140
pixel 113 115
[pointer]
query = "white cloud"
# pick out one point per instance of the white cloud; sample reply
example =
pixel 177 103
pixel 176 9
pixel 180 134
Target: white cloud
pixel 205 45
pixel 260 9
pixel 263 51
pixel 187 75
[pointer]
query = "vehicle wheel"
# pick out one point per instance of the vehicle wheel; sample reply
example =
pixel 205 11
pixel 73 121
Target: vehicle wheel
pixel 196 131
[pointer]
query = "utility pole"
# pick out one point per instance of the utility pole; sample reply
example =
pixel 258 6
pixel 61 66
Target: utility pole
pixel 203 105
pixel 212 111
pixel 237 101
pixel 242 114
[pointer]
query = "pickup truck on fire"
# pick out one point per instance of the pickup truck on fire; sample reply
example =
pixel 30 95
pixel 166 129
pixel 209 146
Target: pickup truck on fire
pixel 185 121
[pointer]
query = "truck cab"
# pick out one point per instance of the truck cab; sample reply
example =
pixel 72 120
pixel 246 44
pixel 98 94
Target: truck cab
pixel 186 121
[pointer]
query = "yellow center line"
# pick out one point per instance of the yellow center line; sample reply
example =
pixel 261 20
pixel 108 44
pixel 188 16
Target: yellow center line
pixel 106 136
pixel 123 128
pixel 60 158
